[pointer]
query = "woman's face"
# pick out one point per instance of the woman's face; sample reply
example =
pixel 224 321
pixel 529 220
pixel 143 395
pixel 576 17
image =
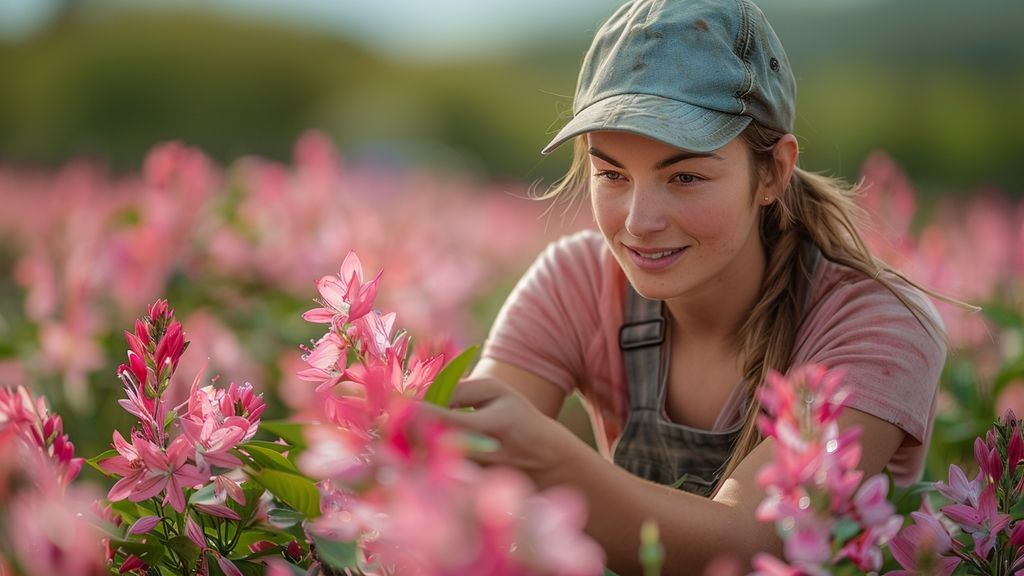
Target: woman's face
pixel 682 225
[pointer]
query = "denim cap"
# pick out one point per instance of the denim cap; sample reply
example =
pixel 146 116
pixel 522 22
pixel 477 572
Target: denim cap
pixel 690 73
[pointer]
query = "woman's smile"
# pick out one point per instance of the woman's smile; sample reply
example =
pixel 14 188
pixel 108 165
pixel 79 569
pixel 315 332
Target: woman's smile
pixel 653 259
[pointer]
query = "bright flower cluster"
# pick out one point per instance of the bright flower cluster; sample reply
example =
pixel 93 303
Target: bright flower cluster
pixel 398 495
pixel 825 514
pixel 184 456
pixel 47 526
pixel 979 535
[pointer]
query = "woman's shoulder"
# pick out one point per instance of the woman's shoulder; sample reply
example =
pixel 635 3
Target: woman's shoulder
pixel 582 254
pixel 587 243
pixel 836 287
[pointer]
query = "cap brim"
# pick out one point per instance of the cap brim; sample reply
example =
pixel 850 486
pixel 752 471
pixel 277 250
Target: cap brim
pixel 675 123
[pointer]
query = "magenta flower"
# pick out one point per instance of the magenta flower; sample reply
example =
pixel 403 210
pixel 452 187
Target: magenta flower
pixel 865 550
pixel 325 368
pixel 871 504
pixel 989 460
pixel 128 464
pixel 213 440
pixel 50 534
pixel 143 525
pixel 959 489
pixel 195 533
pixel 768 565
pixel 983 522
pixel 344 298
pixel 167 472
pixel 1015 448
pixel 224 488
pixel 29 418
pixel 920 548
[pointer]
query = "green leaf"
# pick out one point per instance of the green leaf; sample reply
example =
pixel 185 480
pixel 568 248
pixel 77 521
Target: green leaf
pixel 250 568
pixel 95 460
pixel 150 551
pixel 295 491
pixel 844 529
pixel 290 432
pixel 212 568
pixel 252 492
pixel 266 458
pixel 129 511
pixel 185 548
pixel 1017 512
pixel 284 518
pixel 440 392
pixel 205 495
pixel 340 555
pixel 276 447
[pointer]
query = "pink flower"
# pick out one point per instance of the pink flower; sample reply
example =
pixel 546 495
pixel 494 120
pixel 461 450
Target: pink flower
pixel 552 534
pixel 224 487
pixel 864 550
pixel 213 440
pixel 984 523
pixel 871 502
pixel 989 460
pixel 143 525
pixel 238 406
pixel 128 464
pixel 218 510
pixel 333 453
pixel 227 567
pixel 809 543
pixel 344 298
pixel 52 535
pixel 1017 534
pixel 194 532
pixel 325 368
pixel 959 489
pixel 920 548
pixel 1015 447
pixel 167 472
pixel 768 565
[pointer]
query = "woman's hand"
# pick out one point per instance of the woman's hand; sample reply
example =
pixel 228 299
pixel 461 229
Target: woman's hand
pixel 526 438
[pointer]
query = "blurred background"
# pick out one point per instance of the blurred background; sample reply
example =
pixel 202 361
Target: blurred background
pixel 226 153
pixel 480 85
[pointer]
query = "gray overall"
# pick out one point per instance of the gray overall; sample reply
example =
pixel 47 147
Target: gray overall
pixel 651 446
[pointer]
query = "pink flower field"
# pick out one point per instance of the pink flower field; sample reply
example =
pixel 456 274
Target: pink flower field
pixel 212 369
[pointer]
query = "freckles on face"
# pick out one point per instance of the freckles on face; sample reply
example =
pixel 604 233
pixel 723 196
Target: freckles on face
pixel 651 199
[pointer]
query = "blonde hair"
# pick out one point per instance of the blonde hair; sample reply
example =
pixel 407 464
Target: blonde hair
pixel 812 208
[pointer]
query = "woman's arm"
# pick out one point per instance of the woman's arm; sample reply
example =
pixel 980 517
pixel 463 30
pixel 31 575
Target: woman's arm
pixel 546 396
pixel 694 530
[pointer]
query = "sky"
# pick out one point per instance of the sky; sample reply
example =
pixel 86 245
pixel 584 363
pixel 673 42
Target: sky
pixel 404 29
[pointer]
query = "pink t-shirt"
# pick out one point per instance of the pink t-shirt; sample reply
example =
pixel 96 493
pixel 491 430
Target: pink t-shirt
pixel 561 322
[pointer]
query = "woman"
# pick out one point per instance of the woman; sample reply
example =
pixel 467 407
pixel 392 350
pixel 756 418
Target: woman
pixel 717 260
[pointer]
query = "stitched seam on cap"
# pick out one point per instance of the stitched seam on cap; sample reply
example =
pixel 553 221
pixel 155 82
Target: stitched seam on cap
pixel 744 42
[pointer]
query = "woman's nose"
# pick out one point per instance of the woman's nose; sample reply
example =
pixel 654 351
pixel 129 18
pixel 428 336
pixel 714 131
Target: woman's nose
pixel 646 213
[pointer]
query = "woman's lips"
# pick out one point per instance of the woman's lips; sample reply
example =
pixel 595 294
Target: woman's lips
pixel 655 258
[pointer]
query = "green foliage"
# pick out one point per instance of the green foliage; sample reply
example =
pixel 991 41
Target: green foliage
pixel 441 390
pixel 294 490
pixel 340 555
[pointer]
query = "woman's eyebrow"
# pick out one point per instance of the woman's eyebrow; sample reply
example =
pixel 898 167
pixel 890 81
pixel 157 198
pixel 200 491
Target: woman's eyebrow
pixel 660 165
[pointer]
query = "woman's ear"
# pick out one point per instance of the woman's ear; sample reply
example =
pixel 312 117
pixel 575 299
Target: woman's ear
pixel 785 154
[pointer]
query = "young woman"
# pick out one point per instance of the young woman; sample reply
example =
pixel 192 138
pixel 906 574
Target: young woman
pixel 717 260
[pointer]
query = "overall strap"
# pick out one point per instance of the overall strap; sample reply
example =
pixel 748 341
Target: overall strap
pixel 640 339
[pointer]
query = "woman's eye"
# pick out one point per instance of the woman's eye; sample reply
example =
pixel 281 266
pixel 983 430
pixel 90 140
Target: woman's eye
pixel 687 178
pixel 610 175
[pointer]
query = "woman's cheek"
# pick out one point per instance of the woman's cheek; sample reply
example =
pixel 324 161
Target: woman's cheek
pixel 608 213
